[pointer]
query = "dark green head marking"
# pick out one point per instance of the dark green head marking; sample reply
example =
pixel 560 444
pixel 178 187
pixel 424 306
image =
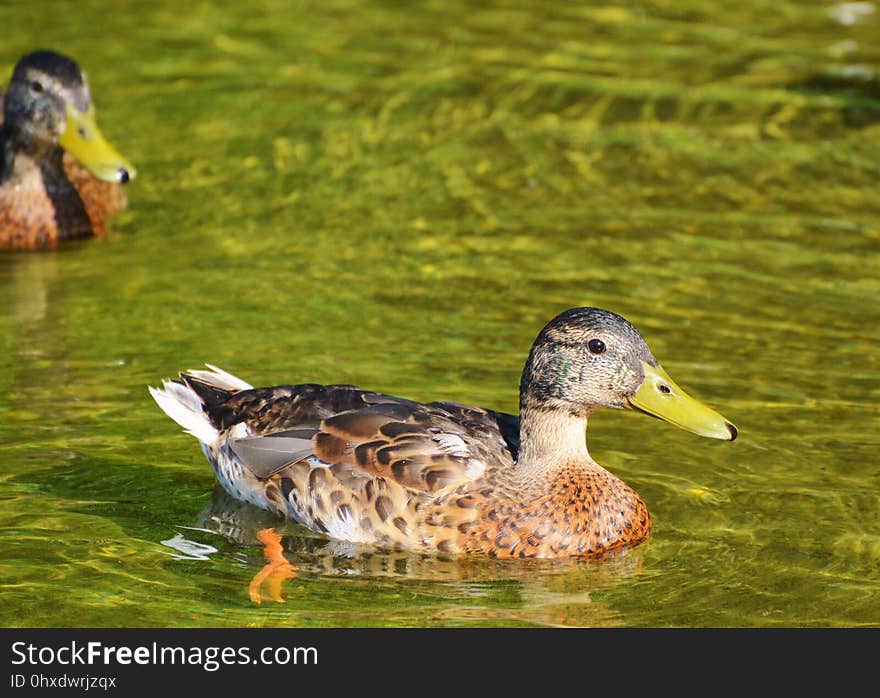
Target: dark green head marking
pixel 583 359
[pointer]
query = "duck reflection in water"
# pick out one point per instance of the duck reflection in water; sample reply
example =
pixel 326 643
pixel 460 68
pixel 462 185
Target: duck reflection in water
pixel 551 592
pixel 277 569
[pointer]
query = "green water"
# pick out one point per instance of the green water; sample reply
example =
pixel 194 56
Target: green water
pixel 399 195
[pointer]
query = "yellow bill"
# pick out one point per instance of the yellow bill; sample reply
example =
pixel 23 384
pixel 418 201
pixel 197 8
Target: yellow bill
pixel 83 139
pixel 659 396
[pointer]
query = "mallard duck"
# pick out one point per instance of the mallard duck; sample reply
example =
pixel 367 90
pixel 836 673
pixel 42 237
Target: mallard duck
pixel 371 468
pixel 59 177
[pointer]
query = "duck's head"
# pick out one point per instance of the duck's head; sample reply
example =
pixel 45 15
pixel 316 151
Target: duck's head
pixel 48 104
pixel 588 358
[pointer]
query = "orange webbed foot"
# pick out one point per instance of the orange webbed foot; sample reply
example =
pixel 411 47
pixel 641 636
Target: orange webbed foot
pixel 277 569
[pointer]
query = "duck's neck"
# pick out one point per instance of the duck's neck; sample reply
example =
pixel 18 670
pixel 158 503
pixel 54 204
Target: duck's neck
pixel 24 161
pixel 551 438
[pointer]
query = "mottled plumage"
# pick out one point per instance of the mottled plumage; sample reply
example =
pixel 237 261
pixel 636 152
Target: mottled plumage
pixel 370 468
pixel 59 178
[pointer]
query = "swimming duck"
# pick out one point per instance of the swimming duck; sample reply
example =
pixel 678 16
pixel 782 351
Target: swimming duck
pixel 59 177
pixel 370 468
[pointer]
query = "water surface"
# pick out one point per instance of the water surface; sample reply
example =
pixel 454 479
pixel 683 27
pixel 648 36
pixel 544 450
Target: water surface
pixel 400 196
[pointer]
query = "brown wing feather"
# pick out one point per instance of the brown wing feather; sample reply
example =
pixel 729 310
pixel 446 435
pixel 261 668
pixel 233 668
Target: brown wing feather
pixel 422 447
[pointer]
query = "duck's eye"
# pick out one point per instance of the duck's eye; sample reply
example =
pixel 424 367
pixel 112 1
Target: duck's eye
pixel 37 86
pixel 596 346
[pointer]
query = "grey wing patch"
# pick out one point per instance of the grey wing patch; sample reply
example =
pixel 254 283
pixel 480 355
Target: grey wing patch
pixel 302 432
pixel 266 455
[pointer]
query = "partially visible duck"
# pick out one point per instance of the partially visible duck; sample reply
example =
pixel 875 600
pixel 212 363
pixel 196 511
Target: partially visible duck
pixel 371 468
pixel 59 177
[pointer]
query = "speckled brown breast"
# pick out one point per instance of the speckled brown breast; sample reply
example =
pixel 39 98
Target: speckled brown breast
pixel 101 200
pixel 577 510
pixel 76 206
